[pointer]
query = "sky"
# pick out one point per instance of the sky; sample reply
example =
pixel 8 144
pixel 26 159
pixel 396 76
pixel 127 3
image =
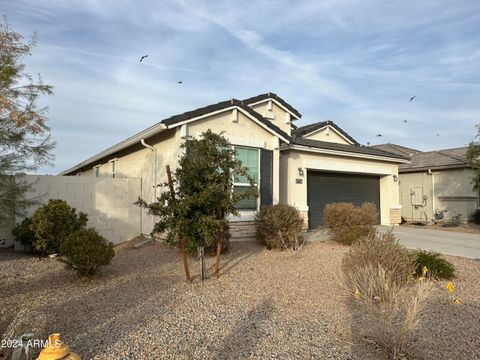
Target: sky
pixel 356 63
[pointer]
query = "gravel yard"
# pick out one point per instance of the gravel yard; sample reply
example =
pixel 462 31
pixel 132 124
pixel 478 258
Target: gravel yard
pixel 265 304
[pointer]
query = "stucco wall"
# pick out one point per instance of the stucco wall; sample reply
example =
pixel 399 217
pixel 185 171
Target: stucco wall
pixel 296 193
pixel 281 118
pixel 453 192
pixel 109 203
pixel 328 134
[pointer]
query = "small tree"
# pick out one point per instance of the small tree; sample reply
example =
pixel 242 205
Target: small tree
pixel 473 159
pixel 53 222
pixel 198 210
pixel 24 136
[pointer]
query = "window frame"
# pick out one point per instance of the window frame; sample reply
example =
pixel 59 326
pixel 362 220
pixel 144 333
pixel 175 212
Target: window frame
pixel 114 167
pixel 96 171
pixel 244 184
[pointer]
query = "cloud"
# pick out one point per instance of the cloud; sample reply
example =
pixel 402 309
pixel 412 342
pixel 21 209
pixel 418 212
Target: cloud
pixel 356 63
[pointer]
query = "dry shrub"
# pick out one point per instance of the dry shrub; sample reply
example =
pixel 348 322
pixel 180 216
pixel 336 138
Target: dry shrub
pixel 280 227
pixel 346 222
pixel 378 272
pixel 380 250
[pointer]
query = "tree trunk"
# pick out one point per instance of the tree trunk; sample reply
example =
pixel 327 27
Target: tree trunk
pixel 201 255
pixel 181 243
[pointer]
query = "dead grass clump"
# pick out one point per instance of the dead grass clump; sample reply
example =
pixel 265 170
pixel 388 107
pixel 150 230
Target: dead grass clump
pixel 346 222
pixel 377 272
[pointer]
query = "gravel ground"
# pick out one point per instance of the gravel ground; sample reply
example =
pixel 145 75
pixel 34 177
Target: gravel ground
pixel 469 228
pixel 265 304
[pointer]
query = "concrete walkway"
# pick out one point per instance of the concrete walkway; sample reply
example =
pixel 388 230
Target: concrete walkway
pixel 445 242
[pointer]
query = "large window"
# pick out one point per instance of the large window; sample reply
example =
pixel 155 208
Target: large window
pixel 250 158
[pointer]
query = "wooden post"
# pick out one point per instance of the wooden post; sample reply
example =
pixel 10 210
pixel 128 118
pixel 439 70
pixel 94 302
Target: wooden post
pixel 201 254
pixel 181 243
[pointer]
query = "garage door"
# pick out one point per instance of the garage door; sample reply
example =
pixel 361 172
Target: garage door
pixel 327 187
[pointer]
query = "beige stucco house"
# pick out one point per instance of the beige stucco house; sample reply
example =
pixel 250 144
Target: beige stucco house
pixel 307 166
pixel 435 185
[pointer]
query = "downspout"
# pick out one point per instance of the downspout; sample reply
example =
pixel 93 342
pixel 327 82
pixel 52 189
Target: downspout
pixel 142 141
pixel 433 191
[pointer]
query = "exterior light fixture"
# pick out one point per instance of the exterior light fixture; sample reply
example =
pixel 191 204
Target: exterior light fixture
pixel 300 172
pixel 395 178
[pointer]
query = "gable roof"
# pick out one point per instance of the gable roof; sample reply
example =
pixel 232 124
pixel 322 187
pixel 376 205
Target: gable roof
pixel 437 160
pixel 397 149
pixel 307 129
pixel 270 95
pixel 176 120
pixel 347 148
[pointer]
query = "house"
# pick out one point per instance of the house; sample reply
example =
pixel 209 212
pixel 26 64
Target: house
pixel 435 184
pixel 308 166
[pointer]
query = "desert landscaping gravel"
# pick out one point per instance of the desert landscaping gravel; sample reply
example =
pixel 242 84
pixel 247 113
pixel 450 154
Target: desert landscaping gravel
pixel 265 304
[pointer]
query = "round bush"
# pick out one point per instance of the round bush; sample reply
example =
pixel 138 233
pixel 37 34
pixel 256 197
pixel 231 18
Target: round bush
pixel 476 216
pixel 437 266
pixel 279 226
pixel 24 234
pixel 84 251
pixel 53 222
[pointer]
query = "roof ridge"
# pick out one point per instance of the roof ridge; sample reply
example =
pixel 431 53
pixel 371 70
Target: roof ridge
pixel 452 156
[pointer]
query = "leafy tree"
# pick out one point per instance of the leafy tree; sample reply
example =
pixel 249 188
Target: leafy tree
pixel 473 159
pixel 25 142
pixel 53 222
pixel 196 211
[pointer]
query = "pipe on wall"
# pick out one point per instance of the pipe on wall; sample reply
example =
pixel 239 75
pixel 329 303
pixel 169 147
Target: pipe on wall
pixel 429 172
pixel 154 151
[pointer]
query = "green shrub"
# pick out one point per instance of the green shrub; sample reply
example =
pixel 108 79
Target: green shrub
pixel 279 226
pixel 24 234
pixel 378 251
pixel 53 222
pixel 84 251
pixel 437 266
pixel 476 216
pixel 347 223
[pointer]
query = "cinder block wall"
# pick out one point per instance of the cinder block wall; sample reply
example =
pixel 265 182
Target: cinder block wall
pixel 108 202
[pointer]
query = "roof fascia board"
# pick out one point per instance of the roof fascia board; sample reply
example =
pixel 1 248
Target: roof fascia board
pixel 331 128
pixel 277 103
pixel 343 153
pixel 228 109
pixel 426 168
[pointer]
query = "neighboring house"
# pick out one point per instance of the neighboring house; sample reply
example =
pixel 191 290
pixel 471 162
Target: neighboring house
pixel 435 181
pixel 308 166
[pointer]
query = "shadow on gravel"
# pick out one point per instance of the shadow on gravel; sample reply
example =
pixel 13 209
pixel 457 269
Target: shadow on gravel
pixel 243 339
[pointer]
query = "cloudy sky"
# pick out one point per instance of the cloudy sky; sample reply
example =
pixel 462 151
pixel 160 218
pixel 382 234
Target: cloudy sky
pixel 354 62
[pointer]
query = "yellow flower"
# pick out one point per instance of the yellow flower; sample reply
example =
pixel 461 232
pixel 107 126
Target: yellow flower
pixel 424 271
pixel 456 300
pixel 358 295
pixel 450 286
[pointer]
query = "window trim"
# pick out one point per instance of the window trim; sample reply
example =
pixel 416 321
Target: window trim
pixel 114 167
pixel 257 184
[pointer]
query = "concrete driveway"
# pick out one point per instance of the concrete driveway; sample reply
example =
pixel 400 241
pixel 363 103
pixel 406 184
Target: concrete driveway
pixel 445 242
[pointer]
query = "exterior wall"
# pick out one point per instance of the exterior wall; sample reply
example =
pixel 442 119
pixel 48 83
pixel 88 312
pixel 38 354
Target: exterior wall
pixel 138 161
pixel 281 117
pixel 109 203
pixel 328 134
pixel 449 190
pixel 296 193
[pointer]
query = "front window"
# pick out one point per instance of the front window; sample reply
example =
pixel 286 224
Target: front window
pixel 96 171
pixel 250 158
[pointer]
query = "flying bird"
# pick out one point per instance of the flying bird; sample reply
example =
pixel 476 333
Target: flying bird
pixel 143 57
pixel 404 121
pixel 413 97
pixel 438 134
pixel 379 135
pixel 179 82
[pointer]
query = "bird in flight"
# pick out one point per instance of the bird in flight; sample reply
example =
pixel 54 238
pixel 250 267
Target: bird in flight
pixel 413 97
pixel 379 135
pixel 404 121
pixel 143 57
pixel 179 82
pixel 438 134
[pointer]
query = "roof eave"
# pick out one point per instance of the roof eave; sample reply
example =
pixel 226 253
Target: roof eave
pixel 437 167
